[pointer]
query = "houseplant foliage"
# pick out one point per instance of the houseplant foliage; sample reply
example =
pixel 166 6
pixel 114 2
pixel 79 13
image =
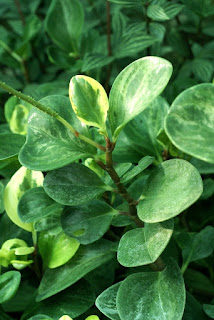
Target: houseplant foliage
pixel 106 198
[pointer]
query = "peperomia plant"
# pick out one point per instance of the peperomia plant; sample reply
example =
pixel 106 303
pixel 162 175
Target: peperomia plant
pixel 117 172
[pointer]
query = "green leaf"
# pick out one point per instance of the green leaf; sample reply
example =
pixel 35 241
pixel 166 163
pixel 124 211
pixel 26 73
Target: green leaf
pixel 152 295
pixel 197 281
pixel 1 197
pixel 32 27
pixel 62 24
pixel 144 245
pixel 208 189
pixel 18 121
pixel 89 101
pixel 73 301
pixel 202 166
pixel 9 283
pixel 177 178
pixel 10 145
pixel 40 317
pixel 142 165
pixel 191 116
pixel 202 69
pixel 135 88
pixel 94 61
pixel 20 182
pixel 87 223
pixel 91 318
pixel 164 12
pixel 106 302
pixel 56 250
pixel 47 138
pixel 193 309
pixel 87 259
pixel 35 204
pixel 73 185
pixel 209 310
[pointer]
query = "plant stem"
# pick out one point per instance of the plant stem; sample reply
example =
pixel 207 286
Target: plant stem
pixel 52 113
pixel 158 265
pixel 18 6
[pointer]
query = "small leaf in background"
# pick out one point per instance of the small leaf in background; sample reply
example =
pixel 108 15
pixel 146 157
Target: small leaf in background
pixel 202 69
pixel 87 223
pixel 189 124
pixel 142 246
pixel 40 317
pixel 86 259
pixel 9 283
pixel 177 178
pixel 47 137
pixel 35 204
pixel 106 302
pixel 208 189
pixel 141 166
pixel 95 60
pixel 32 28
pixel 92 318
pixel 135 88
pixel 73 185
pixel 56 250
pixel 209 309
pixel 20 182
pixel 1 197
pixel 164 12
pixel 62 24
pixel 89 101
pixel 193 309
pixel 11 144
pixel 152 295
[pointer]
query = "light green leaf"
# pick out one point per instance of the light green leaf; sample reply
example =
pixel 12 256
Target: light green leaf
pixel 49 143
pixel 106 302
pixel 142 246
pixel 1 197
pixel 74 185
pixel 157 13
pixel 87 259
pixel 135 88
pixel 89 101
pixel 11 144
pixel 35 204
pixel 142 165
pixel 92 318
pixel 65 318
pixel 40 317
pixel 56 250
pixel 152 295
pixel 18 121
pixel 189 124
pixel 62 24
pixel 87 223
pixel 177 178
pixel 9 283
pixel 209 310
pixel 20 182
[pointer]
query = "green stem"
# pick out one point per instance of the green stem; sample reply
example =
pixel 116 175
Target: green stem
pixel 50 112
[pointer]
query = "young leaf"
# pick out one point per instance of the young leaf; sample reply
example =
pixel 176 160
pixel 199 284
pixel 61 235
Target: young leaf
pixel 56 250
pixel 47 137
pixel 189 124
pixel 87 259
pixel 62 23
pixel 152 295
pixel 142 165
pixel 35 205
pixel 87 223
pixel 135 88
pixel 73 185
pixel 11 144
pixel 144 245
pixel 20 182
pixel 89 101
pixel 171 188
pixel 106 302
pixel 9 283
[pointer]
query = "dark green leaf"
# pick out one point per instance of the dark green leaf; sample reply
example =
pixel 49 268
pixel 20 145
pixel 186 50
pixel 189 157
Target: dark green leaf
pixel 10 145
pixel 209 310
pixel 9 283
pixel 142 165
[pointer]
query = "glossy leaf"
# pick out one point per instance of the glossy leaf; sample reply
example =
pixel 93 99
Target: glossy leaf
pixel 177 178
pixel 144 245
pixel 135 88
pixel 87 223
pixel 56 250
pixel 106 302
pixel 189 124
pixel 89 101
pixel 87 258
pixel 73 185
pixel 11 144
pixel 35 204
pixel 9 283
pixel 92 318
pixel 49 143
pixel 142 165
pixel 152 295
pixel 21 181
pixel 62 24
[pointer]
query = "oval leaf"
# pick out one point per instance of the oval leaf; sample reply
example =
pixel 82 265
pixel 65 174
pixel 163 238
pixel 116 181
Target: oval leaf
pixel 73 185
pixel 189 124
pixel 89 101
pixel 171 188
pixel 9 283
pixel 135 88
pixel 11 144
pixel 152 295
pixel 20 182
pixel 144 245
